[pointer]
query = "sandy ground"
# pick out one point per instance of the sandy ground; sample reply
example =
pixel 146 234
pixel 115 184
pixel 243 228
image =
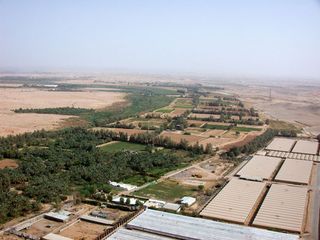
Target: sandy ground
pixel 8 163
pixel 82 230
pixel 13 98
pixel 177 137
pixel 289 103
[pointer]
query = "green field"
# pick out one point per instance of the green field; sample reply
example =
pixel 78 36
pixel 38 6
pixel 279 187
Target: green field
pixel 219 127
pixel 119 146
pixel 165 110
pixel 167 191
pixel 245 129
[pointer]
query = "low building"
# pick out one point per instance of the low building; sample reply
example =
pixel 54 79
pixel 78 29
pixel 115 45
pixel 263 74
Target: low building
pixel 61 216
pixel 97 220
pixel 132 201
pixel 187 201
pixel 172 207
pixel 153 203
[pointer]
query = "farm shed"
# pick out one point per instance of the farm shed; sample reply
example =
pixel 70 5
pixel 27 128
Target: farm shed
pixel 283 208
pixel 184 227
pixel 62 216
pixel 235 201
pixel 281 144
pixel 52 236
pixel 260 168
pixel 307 147
pixel 188 201
pixel 295 171
pixel 172 207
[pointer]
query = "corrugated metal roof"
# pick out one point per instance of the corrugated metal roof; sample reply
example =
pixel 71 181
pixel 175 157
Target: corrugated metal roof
pixel 127 234
pixel 295 171
pixel 304 146
pixel 183 227
pixel 283 208
pixel 235 201
pixel 260 166
pixel 281 144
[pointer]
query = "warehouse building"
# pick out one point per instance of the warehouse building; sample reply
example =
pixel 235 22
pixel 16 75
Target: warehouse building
pixel 295 171
pixel 260 168
pixel 157 225
pixel 235 201
pixel 281 144
pixel 283 208
pixel 306 147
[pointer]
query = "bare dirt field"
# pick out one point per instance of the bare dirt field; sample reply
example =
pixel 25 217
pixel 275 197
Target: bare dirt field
pixel 82 230
pixel 43 227
pixel 8 163
pixel 13 98
pixel 177 137
pixel 292 103
pixel 177 112
pixel 216 142
pixel 207 174
pixel 215 132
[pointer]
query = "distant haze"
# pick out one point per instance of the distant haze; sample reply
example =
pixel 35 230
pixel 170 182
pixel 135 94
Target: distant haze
pixel 228 38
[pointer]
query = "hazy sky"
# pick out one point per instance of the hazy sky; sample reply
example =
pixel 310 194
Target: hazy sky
pixel 263 38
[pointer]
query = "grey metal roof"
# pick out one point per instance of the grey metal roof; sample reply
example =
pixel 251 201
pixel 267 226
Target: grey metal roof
pixel 183 227
pixel 127 234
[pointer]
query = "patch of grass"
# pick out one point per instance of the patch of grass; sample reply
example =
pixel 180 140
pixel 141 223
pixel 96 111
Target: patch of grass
pixel 282 125
pixel 183 106
pixel 167 191
pixel 138 180
pixel 165 110
pixel 218 127
pixel 119 146
pixel 245 129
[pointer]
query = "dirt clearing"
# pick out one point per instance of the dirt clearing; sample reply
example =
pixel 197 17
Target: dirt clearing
pixel 14 98
pixel 8 163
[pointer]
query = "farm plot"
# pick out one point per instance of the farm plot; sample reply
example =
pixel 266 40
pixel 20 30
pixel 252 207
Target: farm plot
pixel 122 130
pixel 83 230
pixel 119 146
pixel 177 137
pixel 167 190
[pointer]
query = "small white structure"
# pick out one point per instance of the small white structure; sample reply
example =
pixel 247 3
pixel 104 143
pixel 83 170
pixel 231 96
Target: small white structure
pixel 125 186
pixel 153 203
pixel 172 207
pixel 133 201
pixel 188 201
pixel 97 220
pixel 52 236
pixel 61 216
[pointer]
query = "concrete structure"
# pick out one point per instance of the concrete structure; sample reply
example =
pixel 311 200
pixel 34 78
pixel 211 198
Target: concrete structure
pixel 188 201
pixel 97 220
pixel 61 216
pixel 281 144
pixel 283 208
pixel 172 207
pixel 307 147
pixel 182 227
pixel 235 201
pixel 260 168
pixel 154 203
pixel 295 171
pixel 52 236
